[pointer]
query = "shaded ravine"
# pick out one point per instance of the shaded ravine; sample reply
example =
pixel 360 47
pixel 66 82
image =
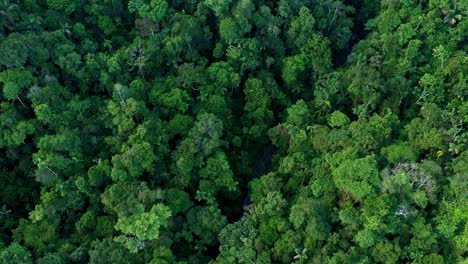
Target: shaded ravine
pixel 262 167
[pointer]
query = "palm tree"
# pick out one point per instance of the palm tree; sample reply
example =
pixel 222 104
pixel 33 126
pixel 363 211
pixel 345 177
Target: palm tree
pixel 5 10
pixel 451 14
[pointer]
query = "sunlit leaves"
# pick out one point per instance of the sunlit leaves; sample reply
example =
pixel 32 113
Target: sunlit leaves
pixel 357 177
pixel 14 81
pixel 145 225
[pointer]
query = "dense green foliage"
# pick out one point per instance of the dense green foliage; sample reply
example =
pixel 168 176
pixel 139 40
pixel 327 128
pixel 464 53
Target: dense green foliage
pixel 221 131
